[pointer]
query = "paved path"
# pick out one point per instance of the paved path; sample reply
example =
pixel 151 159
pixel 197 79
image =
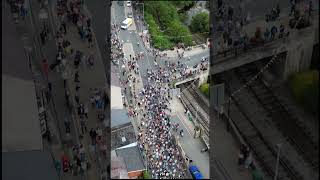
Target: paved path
pixel 191 146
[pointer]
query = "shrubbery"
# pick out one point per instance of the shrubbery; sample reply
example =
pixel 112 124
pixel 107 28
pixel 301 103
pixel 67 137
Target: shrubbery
pixel 204 88
pixel 305 88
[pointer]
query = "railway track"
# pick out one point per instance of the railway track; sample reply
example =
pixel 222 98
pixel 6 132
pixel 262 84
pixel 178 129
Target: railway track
pixel 264 151
pixel 289 125
pixel 191 103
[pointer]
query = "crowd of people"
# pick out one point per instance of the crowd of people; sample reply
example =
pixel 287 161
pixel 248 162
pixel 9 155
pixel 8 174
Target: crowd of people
pixel 19 9
pixel 231 35
pixel 69 60
pixel 151 108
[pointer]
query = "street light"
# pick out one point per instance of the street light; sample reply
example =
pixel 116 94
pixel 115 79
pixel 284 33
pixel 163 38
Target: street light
pixel 278 158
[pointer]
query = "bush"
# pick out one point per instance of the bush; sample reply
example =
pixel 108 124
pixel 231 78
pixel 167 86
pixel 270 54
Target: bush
pixel 305 89
pixel 204 88
pixel 146 175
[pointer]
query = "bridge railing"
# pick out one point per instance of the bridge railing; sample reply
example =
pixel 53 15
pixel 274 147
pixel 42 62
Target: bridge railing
pixel 243 49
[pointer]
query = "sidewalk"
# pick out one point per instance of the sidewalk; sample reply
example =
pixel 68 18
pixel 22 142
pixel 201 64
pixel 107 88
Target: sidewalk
pixel 89 78
pixel 191 146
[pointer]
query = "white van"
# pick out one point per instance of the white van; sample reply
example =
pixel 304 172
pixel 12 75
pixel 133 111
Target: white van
pixel 126 23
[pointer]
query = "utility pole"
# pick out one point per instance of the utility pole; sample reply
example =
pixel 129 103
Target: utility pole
pixel 278 158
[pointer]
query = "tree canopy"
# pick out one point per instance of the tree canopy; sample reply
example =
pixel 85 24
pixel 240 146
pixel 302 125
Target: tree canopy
pixel 200 23
pixel 165 27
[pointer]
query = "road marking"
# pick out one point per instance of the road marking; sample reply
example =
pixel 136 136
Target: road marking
pixel 181 118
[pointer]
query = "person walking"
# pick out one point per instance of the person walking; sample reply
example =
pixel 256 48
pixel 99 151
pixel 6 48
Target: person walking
pixel 76 77
pixel 274 30
pixel 90 39
pixel 83 124
pixel 249 159
pixel 93 135
pixel 64 26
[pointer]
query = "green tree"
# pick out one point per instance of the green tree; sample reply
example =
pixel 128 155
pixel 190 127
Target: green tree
pixel 146 175
pixel 200 23
pixel 179 33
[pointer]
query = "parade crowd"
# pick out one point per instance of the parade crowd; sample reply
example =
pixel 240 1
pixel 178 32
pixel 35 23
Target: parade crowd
pixel 69 62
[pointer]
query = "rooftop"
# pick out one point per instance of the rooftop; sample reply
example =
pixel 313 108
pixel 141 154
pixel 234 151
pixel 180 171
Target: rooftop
pixel 122 136
pixel 119 117
pixel 132 158
pixel 28 165
pixel 20 119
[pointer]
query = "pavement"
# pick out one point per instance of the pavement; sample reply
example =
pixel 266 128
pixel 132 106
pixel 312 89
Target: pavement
pixel 89 78
pixel 192 147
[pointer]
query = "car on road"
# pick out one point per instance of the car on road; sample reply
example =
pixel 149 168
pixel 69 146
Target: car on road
pixel 196 174
pixel 126 23
pixel 128 3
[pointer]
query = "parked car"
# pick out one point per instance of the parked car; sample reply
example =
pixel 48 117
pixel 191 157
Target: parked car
pixel 195 172
pixel 129 14
pixel 128 3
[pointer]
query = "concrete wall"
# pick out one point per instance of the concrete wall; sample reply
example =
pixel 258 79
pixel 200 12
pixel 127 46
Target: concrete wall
pixel 299 54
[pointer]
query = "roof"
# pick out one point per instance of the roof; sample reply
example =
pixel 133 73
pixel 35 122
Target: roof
pixel 132 158
pixel 119 117
pixel 118 167
pixel 20 116
pixel 28 165
pixel 118 133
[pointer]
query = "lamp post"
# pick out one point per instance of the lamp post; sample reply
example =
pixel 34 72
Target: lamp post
pixel 278 158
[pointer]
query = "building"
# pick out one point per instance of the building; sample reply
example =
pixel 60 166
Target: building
pixel 130 156
pixel 22 146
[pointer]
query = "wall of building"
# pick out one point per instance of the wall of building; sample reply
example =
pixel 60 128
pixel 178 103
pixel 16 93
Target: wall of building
pixel 299 54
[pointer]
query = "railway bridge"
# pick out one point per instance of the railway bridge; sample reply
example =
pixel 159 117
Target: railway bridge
pixel 297 47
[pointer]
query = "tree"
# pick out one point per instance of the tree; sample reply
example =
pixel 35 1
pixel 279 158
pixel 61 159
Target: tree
pixel 179 33
pixel 200 23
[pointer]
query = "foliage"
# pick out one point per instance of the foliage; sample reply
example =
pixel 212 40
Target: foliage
pixel 165 26
pixel 200 23
pixel 158 38
pixel 305 88
pixel 204 88
pixel 182 33
pixel 146 175
pixel 181 4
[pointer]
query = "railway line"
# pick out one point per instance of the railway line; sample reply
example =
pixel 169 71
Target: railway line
pixel 263 150
pixel 297 135
pixel 197 106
